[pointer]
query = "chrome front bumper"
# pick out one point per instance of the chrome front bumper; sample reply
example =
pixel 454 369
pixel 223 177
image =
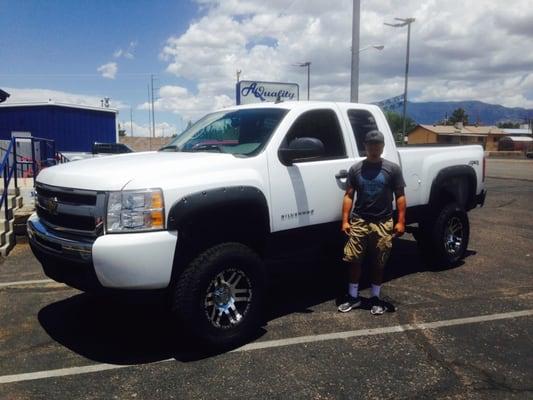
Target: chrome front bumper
pixel 59 245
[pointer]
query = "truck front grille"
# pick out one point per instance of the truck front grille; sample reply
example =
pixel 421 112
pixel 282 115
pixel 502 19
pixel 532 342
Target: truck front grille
pixel 79 212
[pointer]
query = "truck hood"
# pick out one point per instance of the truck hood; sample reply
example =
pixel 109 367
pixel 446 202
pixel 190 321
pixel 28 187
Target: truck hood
pixel 114 172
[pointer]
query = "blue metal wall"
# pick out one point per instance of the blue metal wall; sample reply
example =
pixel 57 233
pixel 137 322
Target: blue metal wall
pixel 73 129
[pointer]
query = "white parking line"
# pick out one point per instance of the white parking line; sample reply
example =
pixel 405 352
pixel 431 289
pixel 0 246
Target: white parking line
pixel 22 283
pixel 280 343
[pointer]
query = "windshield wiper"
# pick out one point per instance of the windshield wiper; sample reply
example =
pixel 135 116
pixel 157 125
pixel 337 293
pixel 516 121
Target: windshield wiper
pixel 207 146
pixel 174 147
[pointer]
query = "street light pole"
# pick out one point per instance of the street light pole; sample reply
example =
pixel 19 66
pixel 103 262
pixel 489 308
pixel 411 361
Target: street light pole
pixel 404 22
pixel 354 88
pixel 308 79
pixel 308 65
pixel 373 46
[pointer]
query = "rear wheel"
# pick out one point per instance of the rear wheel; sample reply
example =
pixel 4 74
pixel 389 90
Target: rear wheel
pixel 444 238
pixel 219 296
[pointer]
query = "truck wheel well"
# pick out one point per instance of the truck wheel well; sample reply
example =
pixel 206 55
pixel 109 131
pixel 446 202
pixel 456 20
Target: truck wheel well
pixel 454 184
pixel 217 216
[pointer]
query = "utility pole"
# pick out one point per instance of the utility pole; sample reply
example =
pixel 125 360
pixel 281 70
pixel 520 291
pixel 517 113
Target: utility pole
pixel 404 22
pixel 238 75
pixel 131 121
pixel 149 118
pixel 153 113
pixel 356 20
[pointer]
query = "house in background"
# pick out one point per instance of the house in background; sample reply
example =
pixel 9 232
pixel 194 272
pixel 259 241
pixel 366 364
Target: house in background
pixel 486 136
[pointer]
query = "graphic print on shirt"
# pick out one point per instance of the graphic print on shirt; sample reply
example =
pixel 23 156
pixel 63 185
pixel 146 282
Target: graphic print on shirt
pixel 372 188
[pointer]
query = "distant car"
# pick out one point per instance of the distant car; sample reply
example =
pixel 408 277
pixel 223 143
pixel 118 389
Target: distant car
pixel 529 154
pixel 99 150
pixel 111 148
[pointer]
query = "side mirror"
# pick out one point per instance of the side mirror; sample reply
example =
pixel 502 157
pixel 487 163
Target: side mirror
pixel 301 149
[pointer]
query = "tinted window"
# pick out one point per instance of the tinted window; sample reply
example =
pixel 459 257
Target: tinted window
pixel 322 125
pixel 362 122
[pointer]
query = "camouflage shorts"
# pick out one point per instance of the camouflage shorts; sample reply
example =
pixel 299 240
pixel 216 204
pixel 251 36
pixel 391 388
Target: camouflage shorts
pixel 374 238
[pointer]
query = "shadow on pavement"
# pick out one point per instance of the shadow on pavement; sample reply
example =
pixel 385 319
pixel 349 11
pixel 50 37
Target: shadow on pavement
pixel 135 332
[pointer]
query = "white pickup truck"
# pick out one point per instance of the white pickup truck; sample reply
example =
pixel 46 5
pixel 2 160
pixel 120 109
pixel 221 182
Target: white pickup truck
pixel 200 218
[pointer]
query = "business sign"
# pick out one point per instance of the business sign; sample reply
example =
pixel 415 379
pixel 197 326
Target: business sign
pixel 249 92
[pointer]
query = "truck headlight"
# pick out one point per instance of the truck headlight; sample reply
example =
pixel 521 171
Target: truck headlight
pixel 135 210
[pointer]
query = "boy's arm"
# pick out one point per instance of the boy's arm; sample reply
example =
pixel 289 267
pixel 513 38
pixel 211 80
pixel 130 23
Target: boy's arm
pixel 347 202
pixel 401 205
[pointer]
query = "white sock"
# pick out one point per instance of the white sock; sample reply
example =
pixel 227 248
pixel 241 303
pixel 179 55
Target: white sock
pixel 353 289
pixel 375 290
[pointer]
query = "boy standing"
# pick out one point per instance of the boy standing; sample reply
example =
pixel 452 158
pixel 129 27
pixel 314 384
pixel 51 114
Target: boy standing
pixel 371 228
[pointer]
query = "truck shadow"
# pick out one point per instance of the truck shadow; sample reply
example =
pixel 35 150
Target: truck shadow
pixel 136 332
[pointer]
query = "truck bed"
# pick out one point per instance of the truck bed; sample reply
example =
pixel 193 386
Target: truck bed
pixel 420 165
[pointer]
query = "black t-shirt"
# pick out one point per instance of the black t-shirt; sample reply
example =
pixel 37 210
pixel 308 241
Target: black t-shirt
pixel 375 184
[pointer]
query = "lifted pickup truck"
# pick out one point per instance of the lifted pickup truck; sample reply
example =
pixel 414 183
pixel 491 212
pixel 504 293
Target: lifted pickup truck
pixel 201 217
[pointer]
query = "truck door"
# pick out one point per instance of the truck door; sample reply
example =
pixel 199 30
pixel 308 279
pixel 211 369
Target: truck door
pixel 309 193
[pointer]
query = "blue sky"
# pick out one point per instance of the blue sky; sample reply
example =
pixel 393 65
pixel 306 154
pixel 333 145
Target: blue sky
pixel 59 45
pixel 79 51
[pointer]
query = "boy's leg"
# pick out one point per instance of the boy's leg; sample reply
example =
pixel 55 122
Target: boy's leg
pixel 353 254
pixel 381 245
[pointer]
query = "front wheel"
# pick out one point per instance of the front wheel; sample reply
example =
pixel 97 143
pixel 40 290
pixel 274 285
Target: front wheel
pixel 219 296
pixel 445 238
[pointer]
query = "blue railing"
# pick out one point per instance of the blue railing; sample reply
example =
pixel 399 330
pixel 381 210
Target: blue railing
pixel 15 166
pixel 7 172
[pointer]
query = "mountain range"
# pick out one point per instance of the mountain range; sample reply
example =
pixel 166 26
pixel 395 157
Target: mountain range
pixel 477 111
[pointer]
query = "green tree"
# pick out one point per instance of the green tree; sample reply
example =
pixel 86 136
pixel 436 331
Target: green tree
pixel 458 115
pixel 395 121
pixel 508 125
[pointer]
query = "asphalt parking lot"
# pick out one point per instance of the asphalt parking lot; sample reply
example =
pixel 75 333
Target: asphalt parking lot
pixel 463 332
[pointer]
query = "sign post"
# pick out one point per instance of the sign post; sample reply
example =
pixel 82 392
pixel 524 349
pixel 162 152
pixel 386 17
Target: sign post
pixel 248 92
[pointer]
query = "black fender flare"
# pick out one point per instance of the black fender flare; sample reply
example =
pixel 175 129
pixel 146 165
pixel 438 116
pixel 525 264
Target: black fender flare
pixel 194 204
pixel 446 175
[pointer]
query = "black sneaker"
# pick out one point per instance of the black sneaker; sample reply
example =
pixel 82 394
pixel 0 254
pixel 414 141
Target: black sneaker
pixel 351 302
pixel 378 306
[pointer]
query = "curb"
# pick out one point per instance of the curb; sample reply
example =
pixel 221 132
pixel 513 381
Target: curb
pixel 510 178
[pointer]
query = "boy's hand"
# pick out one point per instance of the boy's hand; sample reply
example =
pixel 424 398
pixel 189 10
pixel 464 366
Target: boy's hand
pixel 346 227
pixel 399 229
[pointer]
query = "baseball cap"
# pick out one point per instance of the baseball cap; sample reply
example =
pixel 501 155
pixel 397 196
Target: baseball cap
pixel 374 136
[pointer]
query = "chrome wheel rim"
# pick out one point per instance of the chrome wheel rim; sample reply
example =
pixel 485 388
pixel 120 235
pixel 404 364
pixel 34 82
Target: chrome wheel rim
pixel 453 236
pixel 228 298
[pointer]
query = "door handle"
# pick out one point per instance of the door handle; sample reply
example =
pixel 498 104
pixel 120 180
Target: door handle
pixel 342 174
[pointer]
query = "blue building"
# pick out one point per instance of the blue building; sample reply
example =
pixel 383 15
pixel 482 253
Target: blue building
pixel 73 127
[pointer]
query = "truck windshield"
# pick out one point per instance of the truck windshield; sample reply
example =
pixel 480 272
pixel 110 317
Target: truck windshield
pixel 239 132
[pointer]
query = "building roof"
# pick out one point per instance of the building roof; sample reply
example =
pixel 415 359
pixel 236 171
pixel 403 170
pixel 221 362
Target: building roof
pixel 53 103
pixel 469 130
pixel 517 131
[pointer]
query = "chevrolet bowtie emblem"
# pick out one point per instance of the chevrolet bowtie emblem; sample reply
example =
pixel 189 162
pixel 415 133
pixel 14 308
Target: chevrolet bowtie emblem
pixel 51 205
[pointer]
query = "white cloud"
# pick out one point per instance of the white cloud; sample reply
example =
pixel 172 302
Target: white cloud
pixel 180 101
pixel 22 95
pixel 128 53
pixel 459 50
pixel 108 70
pixel 161 129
